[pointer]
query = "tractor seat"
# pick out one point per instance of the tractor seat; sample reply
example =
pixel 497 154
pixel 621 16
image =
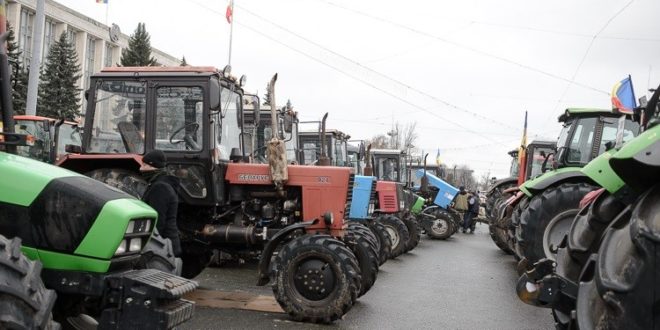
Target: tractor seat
pixel 133 140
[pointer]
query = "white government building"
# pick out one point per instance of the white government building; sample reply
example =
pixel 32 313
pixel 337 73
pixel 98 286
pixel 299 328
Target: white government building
pixel 97 44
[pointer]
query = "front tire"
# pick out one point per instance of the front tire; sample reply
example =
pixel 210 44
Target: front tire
pixel 557 207
pixel 384 241
pixel 316 278
pixel 398 233
pixel 24 301
pixel 414 232
pixel 363 244
pixel 159 254
pixel 440 222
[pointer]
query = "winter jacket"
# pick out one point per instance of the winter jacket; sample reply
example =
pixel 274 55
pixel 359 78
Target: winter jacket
pixel 473 201
pixel 461 202
pixel 161 195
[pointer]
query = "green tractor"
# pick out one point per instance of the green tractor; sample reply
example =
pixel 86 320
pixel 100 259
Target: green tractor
pixel 534 163
pixel 543 210
pixel 71 248
pixel 605 273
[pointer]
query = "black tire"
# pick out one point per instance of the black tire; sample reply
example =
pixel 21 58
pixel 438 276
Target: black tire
pixel 556 206
pixel 124 180
pixel 159 254
pixel 442 224
pixel 398 233
pixel 414 232
pixel 619 287
pixel 583 240
pixel 363 244
pixel 498 225
pixel 319 257
pixel 495 198
pixel 384 241
pixel 511 223
pixel 24 301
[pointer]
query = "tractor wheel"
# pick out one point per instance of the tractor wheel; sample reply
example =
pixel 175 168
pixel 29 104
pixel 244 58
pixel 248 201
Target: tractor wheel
pixel 583 240
pixel 363 244
pixel 24 301
pixel 124 180
pixel 442 224
pixel 398 233
pixel 495 199
pixel 511 223
pixel 499 234
pixel 159 254
pixel 195 257
pixel 317 278
pixel 619 287
pixel 547 219
pixel 413 231
pixel 384 241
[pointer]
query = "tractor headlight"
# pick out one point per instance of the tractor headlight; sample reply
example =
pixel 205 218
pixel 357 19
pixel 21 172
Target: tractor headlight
pixel 372 208
pixel 135 244
pixel 121 248
pixel 401 205
pixel 138 226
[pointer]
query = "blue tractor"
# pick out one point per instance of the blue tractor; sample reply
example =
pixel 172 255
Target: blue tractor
pixel 437 218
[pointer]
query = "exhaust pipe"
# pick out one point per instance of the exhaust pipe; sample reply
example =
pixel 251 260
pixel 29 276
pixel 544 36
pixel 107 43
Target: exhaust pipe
pixel 368 170
pixel 324 160
pixel 233 234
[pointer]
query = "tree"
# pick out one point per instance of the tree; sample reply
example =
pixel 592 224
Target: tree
pixel 183 61
pixel 138 52
pixel 19 80
pixel 58 92
pixel 377 142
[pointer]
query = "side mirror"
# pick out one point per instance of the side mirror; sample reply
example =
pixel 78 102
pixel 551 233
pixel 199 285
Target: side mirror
pixel 214 94
pixel 73 149
pixel 609 145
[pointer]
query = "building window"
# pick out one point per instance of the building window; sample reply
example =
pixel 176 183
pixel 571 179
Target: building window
pixel 49 37
pixel 25 36
pixel 108 55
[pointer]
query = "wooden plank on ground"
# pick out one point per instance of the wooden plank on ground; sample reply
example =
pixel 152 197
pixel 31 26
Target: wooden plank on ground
pixel 235 300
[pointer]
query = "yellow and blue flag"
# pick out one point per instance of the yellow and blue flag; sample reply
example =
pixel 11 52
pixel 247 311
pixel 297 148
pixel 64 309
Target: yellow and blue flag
pixel 623 96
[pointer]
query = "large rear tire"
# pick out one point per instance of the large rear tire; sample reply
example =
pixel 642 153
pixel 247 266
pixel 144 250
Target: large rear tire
pixel 554 209
pixel 24 301
pixel 124 180
pixel 414 232
pixel 384 241
pixel 398 233
pixel 496 197
pixel 159 254
pixel 317 278
pixel 363 244
pixel 619 287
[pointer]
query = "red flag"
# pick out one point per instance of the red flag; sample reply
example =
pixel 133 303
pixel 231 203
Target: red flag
pixel 229 12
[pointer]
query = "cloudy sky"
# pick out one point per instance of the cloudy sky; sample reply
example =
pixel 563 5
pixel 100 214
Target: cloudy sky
pixel 464 71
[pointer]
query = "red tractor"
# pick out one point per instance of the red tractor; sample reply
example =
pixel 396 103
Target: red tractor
pixel 291 216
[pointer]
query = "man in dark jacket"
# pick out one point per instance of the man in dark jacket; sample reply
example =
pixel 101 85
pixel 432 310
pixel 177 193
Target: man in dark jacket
pixel 472 212
pixel 161 195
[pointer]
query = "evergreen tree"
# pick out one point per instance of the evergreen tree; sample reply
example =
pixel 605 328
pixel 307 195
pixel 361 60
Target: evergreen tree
pixel 58 93
pixel 183 61
pixel 19 79
pixel 138 52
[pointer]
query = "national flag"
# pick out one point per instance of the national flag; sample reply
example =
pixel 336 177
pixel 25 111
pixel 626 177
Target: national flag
pixel 623 96
pixel 230 11
pixel 522 157
pixel 102 1
pixel 437 158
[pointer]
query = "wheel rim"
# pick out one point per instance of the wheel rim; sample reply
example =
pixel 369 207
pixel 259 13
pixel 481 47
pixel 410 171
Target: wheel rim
pixel 314 279
pixel 556 230
pixel 440 227
pixel 394 235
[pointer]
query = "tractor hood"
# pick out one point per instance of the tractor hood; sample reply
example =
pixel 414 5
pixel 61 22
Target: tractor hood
pixel 638 161
pixel 66 220
pixel 446 192
pixel 602 173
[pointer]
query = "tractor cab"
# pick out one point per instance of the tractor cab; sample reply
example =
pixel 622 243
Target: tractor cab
pixel 46 137
pixel 334 142
pixel 389 164
pixel 256 133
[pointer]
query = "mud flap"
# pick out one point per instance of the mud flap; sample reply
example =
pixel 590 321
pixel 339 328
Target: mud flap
pixel 263 270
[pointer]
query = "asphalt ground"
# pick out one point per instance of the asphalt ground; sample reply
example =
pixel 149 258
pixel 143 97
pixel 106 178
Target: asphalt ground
pixel 465 282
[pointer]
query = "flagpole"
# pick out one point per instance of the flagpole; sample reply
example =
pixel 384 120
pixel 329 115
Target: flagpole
pixel 231 30
pixel 107 4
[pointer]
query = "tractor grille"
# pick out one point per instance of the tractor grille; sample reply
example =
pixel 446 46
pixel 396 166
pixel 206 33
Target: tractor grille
pixel 349 193
pixel 389 201
pixel 373 191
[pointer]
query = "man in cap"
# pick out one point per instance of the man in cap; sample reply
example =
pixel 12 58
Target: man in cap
pixel 161 195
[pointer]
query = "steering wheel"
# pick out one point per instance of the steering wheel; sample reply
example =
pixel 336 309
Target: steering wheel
pixel 195 127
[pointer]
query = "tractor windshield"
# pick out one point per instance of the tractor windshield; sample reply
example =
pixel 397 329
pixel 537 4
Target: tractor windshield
pixel 69 134
pixel 536 159
pixel 179 118
pixel 610 129
pixel 515 167
pixel 340 158
pixel 581 142
pixel 119 117
pixel 388 168
pixel 291 142
pixel 40 149
pixel 354 160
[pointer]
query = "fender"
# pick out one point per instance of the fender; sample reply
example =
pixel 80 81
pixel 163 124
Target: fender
pixel 638 161
pixel 600 171
pixel 552 178
pixel 264 262
pixel 500 183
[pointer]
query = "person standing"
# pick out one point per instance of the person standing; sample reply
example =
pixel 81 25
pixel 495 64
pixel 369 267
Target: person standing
pixel 161 196
pixel 461 205
pixel 473 211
